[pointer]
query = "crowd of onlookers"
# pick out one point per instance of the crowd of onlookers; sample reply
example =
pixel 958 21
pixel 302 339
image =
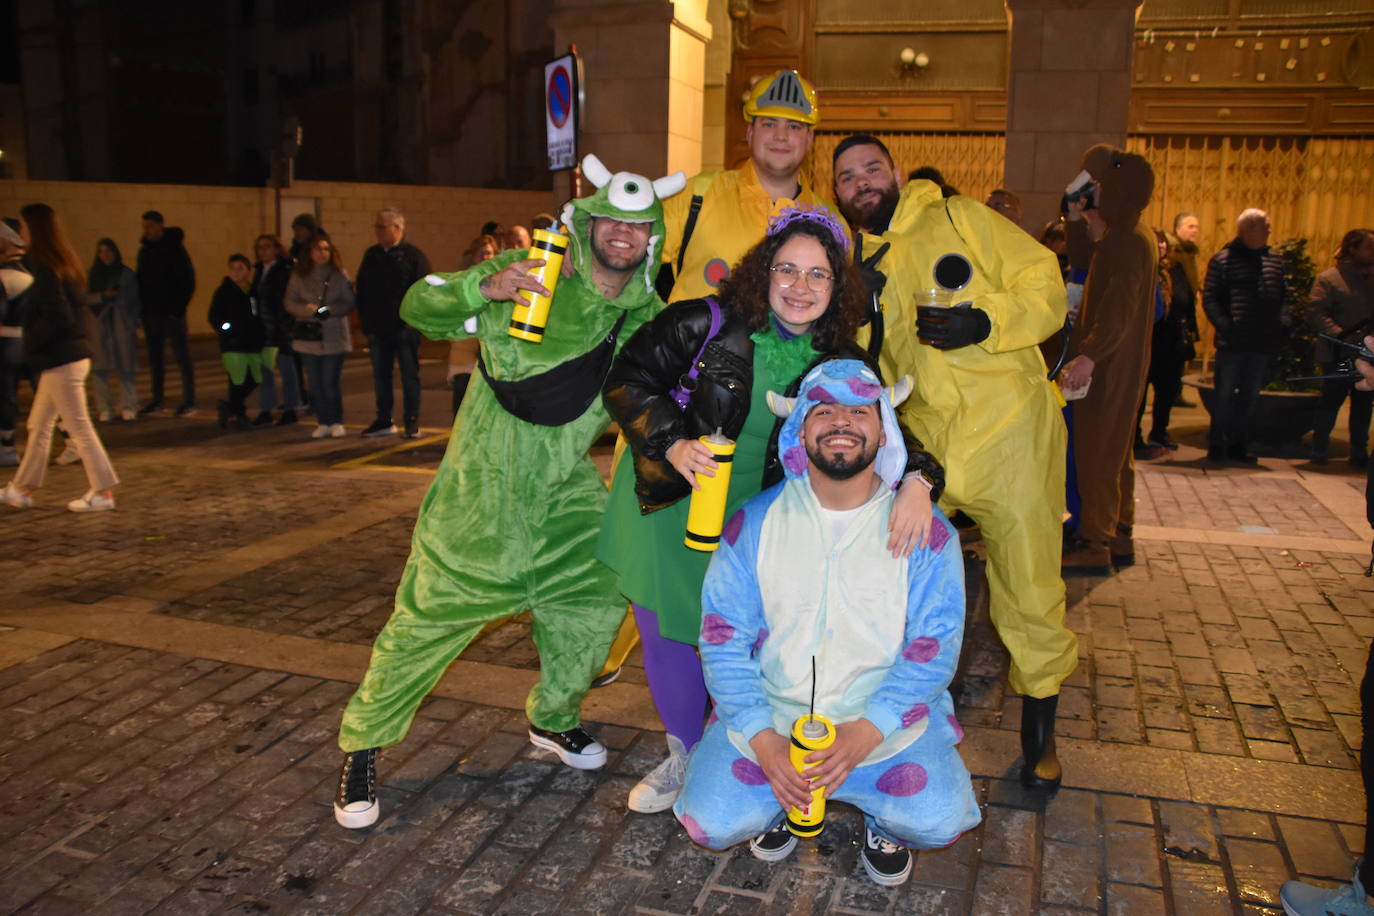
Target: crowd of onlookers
pixel 280 317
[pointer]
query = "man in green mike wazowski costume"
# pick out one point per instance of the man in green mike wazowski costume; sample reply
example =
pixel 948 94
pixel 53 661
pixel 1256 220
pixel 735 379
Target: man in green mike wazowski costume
pixel 510 522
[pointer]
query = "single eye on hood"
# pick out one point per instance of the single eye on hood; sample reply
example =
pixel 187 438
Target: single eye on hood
pixel 630 192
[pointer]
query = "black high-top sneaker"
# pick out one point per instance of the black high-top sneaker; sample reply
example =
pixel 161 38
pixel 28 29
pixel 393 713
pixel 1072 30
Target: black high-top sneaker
pixel 355 804
pixel 575 747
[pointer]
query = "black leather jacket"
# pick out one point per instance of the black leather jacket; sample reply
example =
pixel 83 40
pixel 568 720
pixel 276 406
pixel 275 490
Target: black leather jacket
pixel 659 354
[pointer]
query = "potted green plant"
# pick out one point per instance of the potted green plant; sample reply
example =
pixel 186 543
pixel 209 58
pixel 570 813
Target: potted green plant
pixel 1283 413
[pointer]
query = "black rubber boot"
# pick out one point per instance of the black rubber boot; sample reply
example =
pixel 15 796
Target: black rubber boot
pixel 1041 768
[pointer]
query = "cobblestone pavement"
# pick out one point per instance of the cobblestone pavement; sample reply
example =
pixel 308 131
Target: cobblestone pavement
pixel 172 674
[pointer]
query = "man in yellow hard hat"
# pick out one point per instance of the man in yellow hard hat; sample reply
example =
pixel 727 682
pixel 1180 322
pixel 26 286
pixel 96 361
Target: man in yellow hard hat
pixel 724 213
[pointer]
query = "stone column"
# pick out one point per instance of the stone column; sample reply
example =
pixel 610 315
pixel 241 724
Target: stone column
pixel 1068 87
pixel 644 63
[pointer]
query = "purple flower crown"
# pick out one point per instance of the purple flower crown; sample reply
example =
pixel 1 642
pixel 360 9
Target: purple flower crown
pixel 792 212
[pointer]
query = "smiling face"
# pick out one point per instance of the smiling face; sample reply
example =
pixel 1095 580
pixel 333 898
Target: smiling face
pixel 866 187
pixel 778 145
pixel 841 440
pixel 240 272
pixel 799 305
pixel 619 246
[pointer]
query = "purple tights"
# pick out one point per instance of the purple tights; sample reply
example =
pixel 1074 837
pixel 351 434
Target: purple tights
pixel 673 671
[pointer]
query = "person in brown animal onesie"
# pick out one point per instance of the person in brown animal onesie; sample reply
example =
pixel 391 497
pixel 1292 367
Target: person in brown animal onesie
pixel 1110 349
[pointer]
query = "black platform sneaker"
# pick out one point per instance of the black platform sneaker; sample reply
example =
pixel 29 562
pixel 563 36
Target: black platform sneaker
pixel 886 863
pixel 574 747
pixel 355 804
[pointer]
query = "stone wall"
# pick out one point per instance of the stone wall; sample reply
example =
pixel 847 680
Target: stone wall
pixel 220 221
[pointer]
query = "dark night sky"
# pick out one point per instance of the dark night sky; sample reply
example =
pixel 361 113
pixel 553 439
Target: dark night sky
pixel 9 42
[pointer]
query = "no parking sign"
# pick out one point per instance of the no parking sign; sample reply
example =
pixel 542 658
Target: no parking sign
pixel 562 99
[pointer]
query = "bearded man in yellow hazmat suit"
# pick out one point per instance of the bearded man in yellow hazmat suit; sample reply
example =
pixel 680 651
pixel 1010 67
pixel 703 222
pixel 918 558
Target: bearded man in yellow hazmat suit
pixel 967 298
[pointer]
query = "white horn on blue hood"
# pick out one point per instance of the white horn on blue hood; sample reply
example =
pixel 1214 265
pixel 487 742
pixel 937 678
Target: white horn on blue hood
pixel 669 185
pixel 781 406
pixel 901 391
pixel 594 171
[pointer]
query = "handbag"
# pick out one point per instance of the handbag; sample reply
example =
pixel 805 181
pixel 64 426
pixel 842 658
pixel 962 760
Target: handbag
pixel 681 393
pixel 311 329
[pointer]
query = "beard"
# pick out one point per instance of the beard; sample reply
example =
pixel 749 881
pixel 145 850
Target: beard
pixel 874 217
pixel 841 467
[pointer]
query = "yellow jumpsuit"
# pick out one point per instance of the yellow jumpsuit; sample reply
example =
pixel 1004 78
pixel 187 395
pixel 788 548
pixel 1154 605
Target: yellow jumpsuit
pixel 733 217
pixel 986 411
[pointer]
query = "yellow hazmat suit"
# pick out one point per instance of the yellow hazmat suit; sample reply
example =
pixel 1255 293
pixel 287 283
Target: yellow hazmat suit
pixel 733 217
pixel 986 411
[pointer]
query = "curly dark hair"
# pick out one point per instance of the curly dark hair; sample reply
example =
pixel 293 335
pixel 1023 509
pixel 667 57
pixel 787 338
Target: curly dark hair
pixel 745 292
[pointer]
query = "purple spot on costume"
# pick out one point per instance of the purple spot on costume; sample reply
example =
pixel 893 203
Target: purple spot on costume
pixel 915 714
pixel 758 643
pixel 795 460
pixel 863 389
pixel 820 395
pixel 920 650
pixel 902 780
pixel 958 729
pixel 694 830
pixel 715 630
pixel 939 536
pixel 748 772
pixel 733 527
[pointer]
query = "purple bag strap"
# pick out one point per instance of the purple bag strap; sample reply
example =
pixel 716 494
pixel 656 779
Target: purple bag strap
pixel 682 391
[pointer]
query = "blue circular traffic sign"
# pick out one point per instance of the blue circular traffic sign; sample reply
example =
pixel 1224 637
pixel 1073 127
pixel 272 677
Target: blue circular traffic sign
pixel 560 96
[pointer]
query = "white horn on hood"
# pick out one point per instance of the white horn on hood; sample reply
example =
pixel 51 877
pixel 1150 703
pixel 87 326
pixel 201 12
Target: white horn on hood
pixel 669 185
pixel 596 173
pixel 781 406
pixel 901 390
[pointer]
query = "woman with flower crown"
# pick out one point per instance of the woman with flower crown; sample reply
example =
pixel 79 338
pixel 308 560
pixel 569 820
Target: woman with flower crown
pixel 793 301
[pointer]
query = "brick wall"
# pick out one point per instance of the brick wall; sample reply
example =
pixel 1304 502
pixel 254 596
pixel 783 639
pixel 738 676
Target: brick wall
pixel 221 221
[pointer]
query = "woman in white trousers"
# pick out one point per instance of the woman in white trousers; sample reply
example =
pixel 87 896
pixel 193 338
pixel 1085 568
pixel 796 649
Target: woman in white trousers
pixel 56 347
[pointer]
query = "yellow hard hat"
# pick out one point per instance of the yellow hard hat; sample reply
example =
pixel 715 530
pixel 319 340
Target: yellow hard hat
pixel 785 94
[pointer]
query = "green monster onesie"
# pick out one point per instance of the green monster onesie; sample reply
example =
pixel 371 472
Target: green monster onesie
pixel 511 520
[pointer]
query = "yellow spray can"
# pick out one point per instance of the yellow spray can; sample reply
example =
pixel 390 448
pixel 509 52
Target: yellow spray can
pixel 809 733
pixel 530 317
pixel 706 512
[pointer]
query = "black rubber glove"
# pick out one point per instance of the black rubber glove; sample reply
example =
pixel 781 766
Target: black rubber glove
pixel 874 279
pixel 949 329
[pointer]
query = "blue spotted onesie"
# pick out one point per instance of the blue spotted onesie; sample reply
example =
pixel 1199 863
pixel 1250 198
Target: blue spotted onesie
pixel 792 581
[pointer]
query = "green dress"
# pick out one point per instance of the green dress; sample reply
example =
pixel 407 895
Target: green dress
pixel 655 569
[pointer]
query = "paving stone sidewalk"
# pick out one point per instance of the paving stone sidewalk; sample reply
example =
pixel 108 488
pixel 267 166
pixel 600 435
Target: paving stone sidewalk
pixel 144 780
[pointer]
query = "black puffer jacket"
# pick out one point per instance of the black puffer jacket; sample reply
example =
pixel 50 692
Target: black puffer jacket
pixel 54 322
pixel 1243 297
pixel 234 316
pixel 659 354
pixel 269 292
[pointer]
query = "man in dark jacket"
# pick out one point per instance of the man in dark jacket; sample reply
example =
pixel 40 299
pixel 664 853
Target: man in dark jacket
pixel 1243 297
pixel 389 268
pixel 166 281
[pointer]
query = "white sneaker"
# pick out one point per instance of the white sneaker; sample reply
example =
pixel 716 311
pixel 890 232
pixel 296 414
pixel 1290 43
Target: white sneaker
pixel 69 455
pixel 320 432
pixel 105 416
pixel 92 502
pixel 338 431
pixel 129 414
pixel 657 791
pixel 16 497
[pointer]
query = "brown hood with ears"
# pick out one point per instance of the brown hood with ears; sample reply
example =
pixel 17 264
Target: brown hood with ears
pixel 1127 183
